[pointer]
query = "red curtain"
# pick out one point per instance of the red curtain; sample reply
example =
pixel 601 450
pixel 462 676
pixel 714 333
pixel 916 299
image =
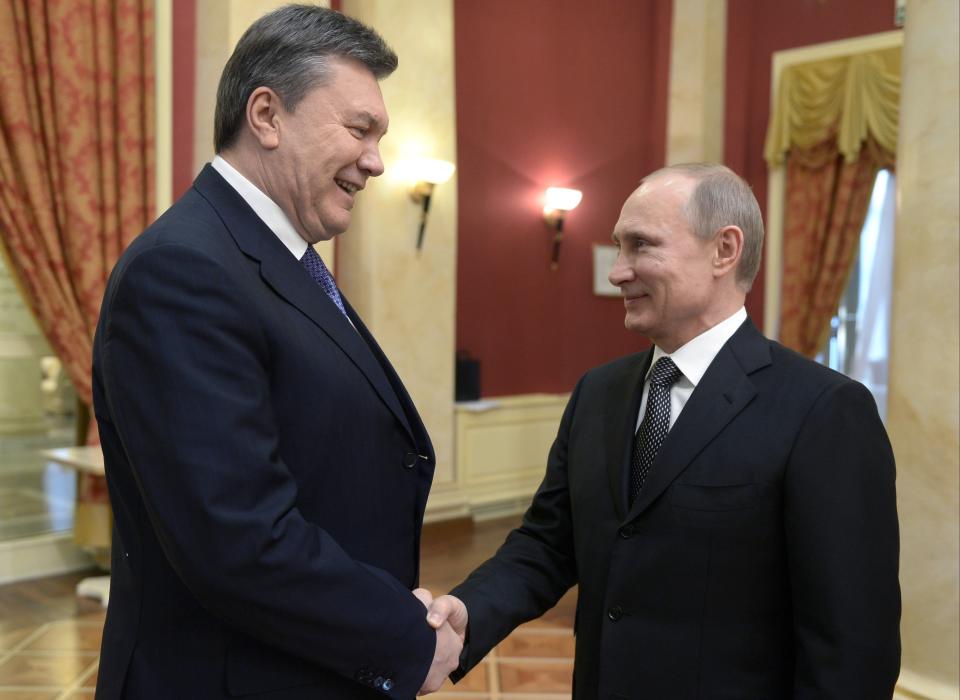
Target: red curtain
pixel 826 204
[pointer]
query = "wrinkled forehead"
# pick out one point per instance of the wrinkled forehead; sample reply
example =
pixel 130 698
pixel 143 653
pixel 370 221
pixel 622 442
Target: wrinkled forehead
pixel 351 85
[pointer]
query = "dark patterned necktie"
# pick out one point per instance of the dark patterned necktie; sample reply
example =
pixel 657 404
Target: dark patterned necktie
pixel 321 275
pixel 655 425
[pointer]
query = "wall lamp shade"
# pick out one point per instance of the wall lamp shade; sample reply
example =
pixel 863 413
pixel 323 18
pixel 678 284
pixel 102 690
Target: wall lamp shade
pixel 557 202
pixel 425 174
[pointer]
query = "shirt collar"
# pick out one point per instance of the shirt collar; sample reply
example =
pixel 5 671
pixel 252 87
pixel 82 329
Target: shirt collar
pixel 264 207
pixel 695 356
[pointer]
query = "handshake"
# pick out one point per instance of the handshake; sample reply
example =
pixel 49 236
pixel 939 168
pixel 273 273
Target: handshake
pixel 448 616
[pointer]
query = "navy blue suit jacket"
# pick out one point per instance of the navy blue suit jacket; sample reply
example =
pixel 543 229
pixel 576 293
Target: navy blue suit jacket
pixel 758 563
pixel 267 470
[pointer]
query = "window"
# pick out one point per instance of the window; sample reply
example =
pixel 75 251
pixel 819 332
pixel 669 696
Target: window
pixel 859 344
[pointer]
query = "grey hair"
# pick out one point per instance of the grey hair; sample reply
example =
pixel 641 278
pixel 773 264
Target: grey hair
pixel 723 198
pixel 288 51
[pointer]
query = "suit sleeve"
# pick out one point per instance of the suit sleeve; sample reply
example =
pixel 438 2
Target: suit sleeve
pixel 533 568
pixel 843 550
pixel 185 373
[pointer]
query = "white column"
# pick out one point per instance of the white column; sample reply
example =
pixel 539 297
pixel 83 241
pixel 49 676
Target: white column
pixel 408 298
pixel 695 101
pixel 220 24
pixel 924 355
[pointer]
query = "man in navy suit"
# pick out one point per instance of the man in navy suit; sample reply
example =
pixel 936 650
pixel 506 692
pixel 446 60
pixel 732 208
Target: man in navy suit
pixel 726 506
pixel 267 470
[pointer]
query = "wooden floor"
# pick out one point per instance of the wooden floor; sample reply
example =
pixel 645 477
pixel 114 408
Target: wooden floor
pixel 50 639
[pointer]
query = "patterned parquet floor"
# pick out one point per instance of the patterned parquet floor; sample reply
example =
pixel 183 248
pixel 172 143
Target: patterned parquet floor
pixel 50 639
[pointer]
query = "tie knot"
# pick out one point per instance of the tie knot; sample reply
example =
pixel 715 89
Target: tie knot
pixel 321 275
pixel 314 264
pixel 665 372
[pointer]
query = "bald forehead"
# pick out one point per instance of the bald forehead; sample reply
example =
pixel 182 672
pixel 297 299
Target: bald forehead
pixel 666 184
pixel 666 192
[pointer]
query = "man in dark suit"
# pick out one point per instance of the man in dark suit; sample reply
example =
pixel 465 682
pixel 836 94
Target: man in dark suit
pixel 725 505
pixel 267 469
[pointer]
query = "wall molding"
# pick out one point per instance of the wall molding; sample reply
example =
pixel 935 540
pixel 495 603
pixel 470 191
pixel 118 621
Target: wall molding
pixel 913 686
pixel 44 555
pixel 163 105
pixel 500 446
pixel 445 503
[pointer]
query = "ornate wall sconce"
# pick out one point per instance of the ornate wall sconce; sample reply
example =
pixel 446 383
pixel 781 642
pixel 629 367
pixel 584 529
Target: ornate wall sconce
pixel 425 174
pixel 557 202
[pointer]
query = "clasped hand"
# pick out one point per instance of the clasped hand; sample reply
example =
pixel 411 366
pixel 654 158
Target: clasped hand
pixel 448 616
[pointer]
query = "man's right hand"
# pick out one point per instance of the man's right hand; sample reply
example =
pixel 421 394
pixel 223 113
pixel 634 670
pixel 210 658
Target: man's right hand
pixel 446 658
pixel 448 609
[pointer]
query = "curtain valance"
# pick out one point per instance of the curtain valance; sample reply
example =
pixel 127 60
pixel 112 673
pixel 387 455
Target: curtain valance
pixel 849 98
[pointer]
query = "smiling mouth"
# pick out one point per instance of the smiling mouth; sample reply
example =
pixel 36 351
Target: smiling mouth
pixel 347 187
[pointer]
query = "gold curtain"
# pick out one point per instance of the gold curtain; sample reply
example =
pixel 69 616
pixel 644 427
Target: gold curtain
pixel 850 98
pixel 76 172
pixel 834 126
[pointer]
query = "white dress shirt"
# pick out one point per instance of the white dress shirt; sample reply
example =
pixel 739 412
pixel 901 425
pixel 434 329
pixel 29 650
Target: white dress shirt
pixel 692 360
pixel 264 207
pixel 269 211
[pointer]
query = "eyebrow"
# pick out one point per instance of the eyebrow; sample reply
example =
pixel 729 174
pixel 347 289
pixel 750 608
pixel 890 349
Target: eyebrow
pixel 633 234
pixel 371 119
pixel 617 237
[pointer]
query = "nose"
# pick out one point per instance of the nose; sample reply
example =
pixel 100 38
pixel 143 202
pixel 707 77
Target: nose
pixel 370 161
pixel 620 272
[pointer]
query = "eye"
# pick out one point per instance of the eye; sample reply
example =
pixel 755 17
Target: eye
pixel 358 131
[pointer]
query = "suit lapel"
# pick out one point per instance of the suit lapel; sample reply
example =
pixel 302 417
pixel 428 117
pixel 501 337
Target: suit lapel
pixel 620 422
pixel 288 278
pixel 723 392
pixel 291 281
pixel 413 422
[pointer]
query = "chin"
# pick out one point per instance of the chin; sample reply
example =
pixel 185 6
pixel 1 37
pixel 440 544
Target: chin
pixel 335 228
pixel 636 326
pixel 326 232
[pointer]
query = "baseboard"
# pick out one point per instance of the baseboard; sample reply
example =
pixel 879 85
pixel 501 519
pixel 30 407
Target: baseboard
pixel 913 686
pixel 492 510
pixel 445 503
pixel 42 555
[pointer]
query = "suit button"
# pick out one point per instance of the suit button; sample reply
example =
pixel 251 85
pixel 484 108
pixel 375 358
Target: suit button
pixel 626 532
pixel 615 613
pixel 410 460
pixel 388 685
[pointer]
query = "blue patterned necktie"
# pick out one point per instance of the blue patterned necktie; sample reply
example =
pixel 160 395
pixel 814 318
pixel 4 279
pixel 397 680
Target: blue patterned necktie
pixel 656 423
pixel 321 275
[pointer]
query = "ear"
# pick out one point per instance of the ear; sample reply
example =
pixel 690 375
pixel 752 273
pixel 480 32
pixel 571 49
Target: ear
pixel 728 245
pixel 263 112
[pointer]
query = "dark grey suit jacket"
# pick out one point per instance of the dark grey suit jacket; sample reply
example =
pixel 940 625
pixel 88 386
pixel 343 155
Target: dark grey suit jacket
pixel 759 562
